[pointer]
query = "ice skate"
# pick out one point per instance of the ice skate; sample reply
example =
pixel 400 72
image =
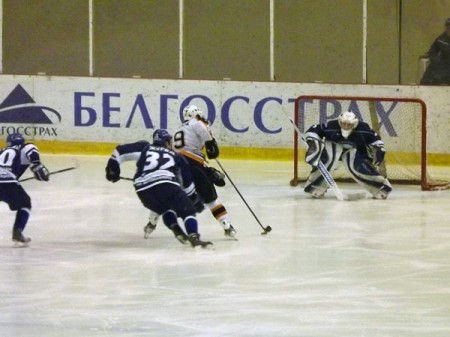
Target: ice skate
pixel 151 225
pixel 382 193
pixel 19 239
pixel 195 241
pixel 229 230
pixel 148 229
pixel 179 234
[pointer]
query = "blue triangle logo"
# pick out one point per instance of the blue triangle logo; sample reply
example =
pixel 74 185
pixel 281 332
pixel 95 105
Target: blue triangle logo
pixel 19 107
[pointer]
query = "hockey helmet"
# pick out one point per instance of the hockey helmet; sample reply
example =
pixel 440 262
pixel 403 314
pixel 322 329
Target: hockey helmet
pixel 348 122
pixel 14 139
pixel 162 138
pixel 190 112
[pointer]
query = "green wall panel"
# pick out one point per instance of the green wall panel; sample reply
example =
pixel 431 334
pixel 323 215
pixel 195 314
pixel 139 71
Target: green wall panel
pixel 48 36
pixel 318 40
pixel 422 22
pixel 314 40
pixel 227 39
pixel 136 38
pixel 383 52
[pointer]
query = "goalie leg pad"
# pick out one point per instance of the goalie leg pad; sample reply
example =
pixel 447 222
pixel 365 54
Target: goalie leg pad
pixel 366 175
pixel 315 185
pixel 313 152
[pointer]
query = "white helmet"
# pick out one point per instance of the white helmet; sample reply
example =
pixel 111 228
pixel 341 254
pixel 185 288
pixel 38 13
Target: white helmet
pixel 347 121
pixel 191 111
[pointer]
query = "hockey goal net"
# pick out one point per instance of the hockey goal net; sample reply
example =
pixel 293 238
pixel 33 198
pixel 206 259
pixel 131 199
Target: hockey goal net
pixel 401 123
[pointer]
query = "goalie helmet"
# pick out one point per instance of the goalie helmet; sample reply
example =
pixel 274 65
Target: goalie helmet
pixel 348 122
pixel 190 112
pixel 162 138
pixel 15 139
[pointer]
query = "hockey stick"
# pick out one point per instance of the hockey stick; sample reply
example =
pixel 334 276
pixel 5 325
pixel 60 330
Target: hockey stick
pixel 266 229
pixel 126 178
pixel 51 173
pixel 326 175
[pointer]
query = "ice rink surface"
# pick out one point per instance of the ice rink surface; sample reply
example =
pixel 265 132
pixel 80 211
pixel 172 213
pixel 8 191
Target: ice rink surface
pixel 374 268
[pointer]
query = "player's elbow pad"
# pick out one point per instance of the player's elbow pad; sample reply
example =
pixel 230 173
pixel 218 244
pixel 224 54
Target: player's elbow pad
pixel 212 150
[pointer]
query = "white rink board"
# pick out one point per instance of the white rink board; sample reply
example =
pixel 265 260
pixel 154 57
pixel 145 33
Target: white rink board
pixel 244 114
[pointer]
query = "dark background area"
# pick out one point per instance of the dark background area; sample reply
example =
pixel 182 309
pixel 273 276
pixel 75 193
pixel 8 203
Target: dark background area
pixel 314 40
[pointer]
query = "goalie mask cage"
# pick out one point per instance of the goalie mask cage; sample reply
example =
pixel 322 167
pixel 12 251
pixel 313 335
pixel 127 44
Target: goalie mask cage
pixel 401 123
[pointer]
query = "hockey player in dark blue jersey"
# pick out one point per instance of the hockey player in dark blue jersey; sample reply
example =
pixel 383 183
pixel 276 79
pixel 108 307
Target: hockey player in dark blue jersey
pixel 351 142
pixel 14 160
pixel 163 183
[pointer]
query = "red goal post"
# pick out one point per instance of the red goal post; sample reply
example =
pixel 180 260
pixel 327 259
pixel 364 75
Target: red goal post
pixel 401 123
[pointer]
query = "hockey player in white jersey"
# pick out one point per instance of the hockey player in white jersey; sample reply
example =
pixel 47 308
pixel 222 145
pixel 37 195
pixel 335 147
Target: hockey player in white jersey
pixel 190 139
pixel 351 142
pixel 15 159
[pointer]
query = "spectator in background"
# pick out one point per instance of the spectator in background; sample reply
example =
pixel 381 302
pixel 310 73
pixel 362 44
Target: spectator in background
pixel 438 70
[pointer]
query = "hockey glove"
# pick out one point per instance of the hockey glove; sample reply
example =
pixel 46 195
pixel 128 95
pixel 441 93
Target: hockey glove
pixel 212 149
pixel 197 202
pixel 379 153
pixel 40 172
pixel 216 177
pixel 313 152
pixel 112 171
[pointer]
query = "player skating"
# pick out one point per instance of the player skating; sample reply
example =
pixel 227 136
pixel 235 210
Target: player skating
pixel 351 142
pixel 189 140
pixel 14 161
pixel 163 183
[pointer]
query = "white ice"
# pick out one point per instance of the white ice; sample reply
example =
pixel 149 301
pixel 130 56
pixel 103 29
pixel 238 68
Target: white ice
pixel 374 268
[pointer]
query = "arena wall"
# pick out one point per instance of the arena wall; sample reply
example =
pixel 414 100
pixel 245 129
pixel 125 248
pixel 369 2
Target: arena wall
pixel 92 115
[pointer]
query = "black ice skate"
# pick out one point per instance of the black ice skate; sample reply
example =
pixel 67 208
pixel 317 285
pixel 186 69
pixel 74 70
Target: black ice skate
pixel 179 234
pixel 195 241
pixel 19 239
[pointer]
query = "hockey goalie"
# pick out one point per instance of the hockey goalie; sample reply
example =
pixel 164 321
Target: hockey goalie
pixel 351 142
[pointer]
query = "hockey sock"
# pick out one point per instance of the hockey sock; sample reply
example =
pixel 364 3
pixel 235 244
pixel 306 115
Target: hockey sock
pixel 191 224
pixel 217 209
pixel 22 216
pixel 169 218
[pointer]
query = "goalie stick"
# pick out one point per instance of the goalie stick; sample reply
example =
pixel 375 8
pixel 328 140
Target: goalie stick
pixel 327 176
pixel 266 229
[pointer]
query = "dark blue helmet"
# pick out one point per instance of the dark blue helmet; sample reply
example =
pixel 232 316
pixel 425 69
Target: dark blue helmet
pixel 15 139
pixel 161 137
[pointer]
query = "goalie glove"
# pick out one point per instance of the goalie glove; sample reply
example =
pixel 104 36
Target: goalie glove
pixel 212 149
pixel 197 202
pixel 378 154
pixel 40 172
pixel 112 171
pixel 313 152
